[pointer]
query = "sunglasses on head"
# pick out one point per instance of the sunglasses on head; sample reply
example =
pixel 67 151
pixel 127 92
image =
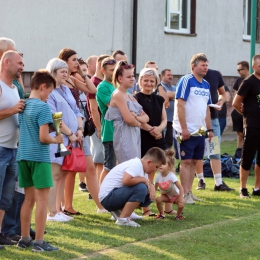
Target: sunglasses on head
pixel 109 62
pixel 125 65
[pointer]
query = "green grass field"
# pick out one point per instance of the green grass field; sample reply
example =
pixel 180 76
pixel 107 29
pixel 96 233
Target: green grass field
pixel 222 226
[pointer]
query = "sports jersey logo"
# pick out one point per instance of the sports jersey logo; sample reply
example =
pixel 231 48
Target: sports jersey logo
pixel 201 93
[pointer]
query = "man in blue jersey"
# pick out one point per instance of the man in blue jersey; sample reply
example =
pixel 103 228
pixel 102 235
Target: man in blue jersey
pixel 190 113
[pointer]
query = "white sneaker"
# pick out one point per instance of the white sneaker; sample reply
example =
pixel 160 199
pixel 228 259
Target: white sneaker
pixel 127 222
pixel 102 211
pixel 66 216
pixel 194 197
pixel 135 216
pixel 188 199
pixel 113 218
pixel 58 218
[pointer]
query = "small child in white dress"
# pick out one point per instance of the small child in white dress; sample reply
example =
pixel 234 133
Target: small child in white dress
pixel 169 186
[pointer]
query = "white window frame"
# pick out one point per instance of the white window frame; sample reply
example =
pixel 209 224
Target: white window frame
pixel 246 34
pixel 169 12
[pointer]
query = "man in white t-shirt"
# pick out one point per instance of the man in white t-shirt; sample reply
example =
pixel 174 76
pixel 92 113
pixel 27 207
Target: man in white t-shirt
pixel 190 113
pixel 127 187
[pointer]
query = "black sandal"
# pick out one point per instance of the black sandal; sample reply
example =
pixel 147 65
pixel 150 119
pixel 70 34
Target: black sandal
pixel 71 213
pixel 150 215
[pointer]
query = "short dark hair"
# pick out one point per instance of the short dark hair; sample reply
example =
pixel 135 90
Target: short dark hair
pixel 244 64
pixel 164 71
pixel 66 53
pixel 156 154
pixel 81 61
pixel 117 52
pixel 102 57
pixel 42 77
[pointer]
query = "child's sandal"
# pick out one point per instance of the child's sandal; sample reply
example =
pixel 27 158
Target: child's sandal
pixel 180 217
pixel 159 216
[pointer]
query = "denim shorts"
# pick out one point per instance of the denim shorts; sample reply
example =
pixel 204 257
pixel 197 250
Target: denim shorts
pixel 109 155
pixel 8 176
pixel 216 128
pixel 118 197
pixel 192 148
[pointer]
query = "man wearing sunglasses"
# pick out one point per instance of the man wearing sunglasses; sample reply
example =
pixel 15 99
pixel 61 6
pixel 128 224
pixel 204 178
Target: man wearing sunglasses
pixel 237 118
pixel 103 96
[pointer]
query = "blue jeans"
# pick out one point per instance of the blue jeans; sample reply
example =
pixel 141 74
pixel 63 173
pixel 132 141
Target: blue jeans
pixel 118 197
pixel 222 123
pixel 216 129
pixel 11 223
pixel 109 155
pixel 8 176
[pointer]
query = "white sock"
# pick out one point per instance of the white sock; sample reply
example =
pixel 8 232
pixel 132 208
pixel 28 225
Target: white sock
pixel 200 176
pixel 255 189
pixel 218 179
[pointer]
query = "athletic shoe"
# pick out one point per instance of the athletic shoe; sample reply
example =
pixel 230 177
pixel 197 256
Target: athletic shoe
pixel 23 244
pixel 194 197
pixel 66 216
pixel 188 199
pixel 180 217
pixel 159 216
pixel 2 247
pixel 256 192
pixel 244 193
pixel 14 237
pixel 135 216
pixel 5 241
pixel 58 218
pixel 102 211
pixel 43 247
pixel 115 214
pixel 222 187
pixel 83 187
pixel 126 222
pixel 201 185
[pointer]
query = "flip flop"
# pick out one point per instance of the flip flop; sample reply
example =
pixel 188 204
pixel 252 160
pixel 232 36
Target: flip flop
pixel 150 215
pixel 71 213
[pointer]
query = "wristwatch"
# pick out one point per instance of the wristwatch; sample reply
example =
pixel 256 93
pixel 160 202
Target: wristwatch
pixel 71 134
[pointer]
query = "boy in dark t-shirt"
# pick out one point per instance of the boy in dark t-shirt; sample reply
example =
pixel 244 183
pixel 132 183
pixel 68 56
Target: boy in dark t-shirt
pixel 249 95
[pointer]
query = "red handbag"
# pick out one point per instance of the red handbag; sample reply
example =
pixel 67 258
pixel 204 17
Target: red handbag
pixel 75 161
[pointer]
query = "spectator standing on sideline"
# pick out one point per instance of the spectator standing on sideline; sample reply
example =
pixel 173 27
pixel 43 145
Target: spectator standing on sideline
pixel 237 118
pixel 170 90
pixel 191 112
pixel 10 105
pixel 103 96
pixel 222 114
pixel 247 102
pixel 91 65
pixel 218 96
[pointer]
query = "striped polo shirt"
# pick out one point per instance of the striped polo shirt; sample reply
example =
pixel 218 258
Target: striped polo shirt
pixel 35 114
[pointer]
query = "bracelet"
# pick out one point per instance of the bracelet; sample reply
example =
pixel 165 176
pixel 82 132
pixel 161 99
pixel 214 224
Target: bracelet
pixel 80 128
pixel 210 130
pixel 149 130
pixel 71 134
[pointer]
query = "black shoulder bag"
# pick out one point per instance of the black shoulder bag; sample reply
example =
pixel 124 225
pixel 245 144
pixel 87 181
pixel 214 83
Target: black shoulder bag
pixel 89 128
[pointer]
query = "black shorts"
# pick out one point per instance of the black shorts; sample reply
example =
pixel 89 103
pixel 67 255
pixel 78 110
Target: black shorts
pixel 250 147
pixel 237 120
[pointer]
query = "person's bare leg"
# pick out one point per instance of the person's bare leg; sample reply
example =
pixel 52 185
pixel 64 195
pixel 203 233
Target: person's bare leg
pixel 92 181
pixel 56 175
pixel 69 189
pixel 215 165
pixel 257 176
pixel 240 139
pixel 128 209
pixel 26 211
pixel 159 203
pixel 99 168
pixel 103 175
pixel 60 191
pixel 185 174
pixel 243 177
pixel 82 177
pixel 41 199
pixel 192 173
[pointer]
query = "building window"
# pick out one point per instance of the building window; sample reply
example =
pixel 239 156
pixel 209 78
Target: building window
pixel 180 16
pixel 247 20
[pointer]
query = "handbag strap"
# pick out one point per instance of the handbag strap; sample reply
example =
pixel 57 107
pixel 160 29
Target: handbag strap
pixel 86 113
